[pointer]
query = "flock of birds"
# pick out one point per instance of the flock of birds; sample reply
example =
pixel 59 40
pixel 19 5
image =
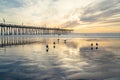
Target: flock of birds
pixel 96 47
pixel 47 46
pixel 92 45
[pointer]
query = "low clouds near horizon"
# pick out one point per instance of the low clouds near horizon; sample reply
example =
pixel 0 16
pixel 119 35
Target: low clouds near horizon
pixel 80 15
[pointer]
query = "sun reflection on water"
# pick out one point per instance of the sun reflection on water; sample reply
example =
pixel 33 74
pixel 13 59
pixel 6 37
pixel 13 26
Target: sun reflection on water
pixel 72 59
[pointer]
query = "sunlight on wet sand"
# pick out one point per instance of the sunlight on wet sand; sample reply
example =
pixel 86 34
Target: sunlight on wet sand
pixel 66 59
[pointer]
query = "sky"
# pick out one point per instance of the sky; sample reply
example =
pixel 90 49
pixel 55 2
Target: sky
pixel 84 16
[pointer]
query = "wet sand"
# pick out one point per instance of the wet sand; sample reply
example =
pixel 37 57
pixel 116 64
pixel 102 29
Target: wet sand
pixel 26 58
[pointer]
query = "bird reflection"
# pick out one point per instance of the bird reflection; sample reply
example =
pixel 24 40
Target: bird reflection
pixel 54 46
pixel 65 41
pixel 47 50
pixel 91 48
pixel 58 40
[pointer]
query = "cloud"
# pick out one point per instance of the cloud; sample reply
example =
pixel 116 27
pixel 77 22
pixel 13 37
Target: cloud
pixel 100 11
pixel 40 11
pixel 64 13
pixel 70 24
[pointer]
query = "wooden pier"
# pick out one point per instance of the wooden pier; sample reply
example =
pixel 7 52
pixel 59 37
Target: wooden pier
pixel 10 29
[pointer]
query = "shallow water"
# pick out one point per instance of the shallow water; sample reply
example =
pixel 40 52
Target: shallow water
pixel 27 58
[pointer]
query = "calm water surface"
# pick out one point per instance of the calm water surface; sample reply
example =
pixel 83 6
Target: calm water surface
pixel 27 58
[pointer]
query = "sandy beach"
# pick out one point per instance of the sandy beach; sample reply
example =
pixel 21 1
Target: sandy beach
pixel 26 58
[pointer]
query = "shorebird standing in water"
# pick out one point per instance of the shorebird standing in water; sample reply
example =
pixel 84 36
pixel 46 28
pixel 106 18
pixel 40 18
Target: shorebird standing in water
pixel 53 44
pixel 96 45
pixel 91 46
pixel 47 48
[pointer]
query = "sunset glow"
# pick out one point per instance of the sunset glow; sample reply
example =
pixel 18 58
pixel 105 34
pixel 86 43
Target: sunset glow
pixel 84 16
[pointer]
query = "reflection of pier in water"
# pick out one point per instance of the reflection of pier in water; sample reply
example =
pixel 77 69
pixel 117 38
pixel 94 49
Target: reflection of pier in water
pixel 15 40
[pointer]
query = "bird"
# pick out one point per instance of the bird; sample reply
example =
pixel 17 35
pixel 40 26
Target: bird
pixel 91 44
pixel 53 42
pixel 96 44
pixel 47 46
